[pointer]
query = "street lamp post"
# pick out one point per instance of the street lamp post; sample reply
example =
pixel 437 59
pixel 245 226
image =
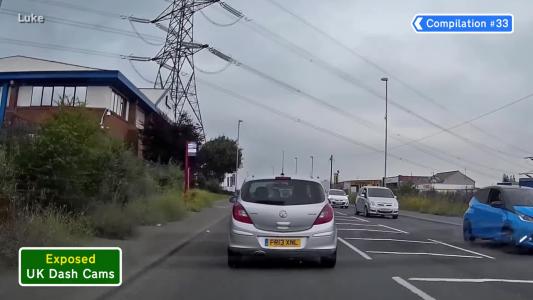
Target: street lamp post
pixel 237 154
pixel 296 165
pixel 312 165
pixel 331 171
pixel 386 122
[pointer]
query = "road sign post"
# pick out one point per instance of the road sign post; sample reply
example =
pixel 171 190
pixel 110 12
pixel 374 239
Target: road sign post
pixel 463 23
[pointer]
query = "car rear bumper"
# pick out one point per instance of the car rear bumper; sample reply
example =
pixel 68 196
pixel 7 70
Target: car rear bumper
pixel 303 253
pixel 318 240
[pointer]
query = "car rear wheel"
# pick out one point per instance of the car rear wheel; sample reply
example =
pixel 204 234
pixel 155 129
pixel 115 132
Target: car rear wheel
pixel 329 261
pixel 467 232
pixel 234 259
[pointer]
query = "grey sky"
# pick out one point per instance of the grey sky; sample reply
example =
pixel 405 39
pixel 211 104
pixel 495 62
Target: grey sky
pixel 467 74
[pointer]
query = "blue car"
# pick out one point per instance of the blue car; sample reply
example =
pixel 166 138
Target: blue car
pixel 501 213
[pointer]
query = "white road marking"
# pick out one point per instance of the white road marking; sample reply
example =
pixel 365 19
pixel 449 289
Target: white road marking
pixel 372 230
pixel 357 224
pixel 412 288
pixel 356 218
pixel 394 229
pixel 423 253
pixel 391 240
pixel 342 214
pixel 364 255
pixel 468 280
pixel 459 248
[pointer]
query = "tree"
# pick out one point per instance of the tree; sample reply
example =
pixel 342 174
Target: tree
pixel 506 178
pixel 217 157
pixel 164 142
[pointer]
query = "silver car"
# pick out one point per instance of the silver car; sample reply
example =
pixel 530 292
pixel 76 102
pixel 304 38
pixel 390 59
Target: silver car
pixel 285 217
pixel 378 201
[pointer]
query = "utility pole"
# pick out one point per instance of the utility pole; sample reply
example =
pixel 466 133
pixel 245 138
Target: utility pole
pixel 312 163
pixel 331 171
pixel 175 59
pixel 296 165
pixel 386 123
pixel 237 154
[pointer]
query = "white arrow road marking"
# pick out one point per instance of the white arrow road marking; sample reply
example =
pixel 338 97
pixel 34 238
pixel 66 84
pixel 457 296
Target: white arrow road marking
pixel 417 23
pixel 364 255
pixel 412 288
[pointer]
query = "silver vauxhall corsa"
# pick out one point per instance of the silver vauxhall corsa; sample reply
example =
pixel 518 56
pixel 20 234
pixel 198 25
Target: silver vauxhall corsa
pixel 285 217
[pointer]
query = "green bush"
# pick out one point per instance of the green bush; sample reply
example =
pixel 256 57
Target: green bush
pixel 161 208
pixel 36 228
pixel 110 220
pixel 196 200
pixel 437 205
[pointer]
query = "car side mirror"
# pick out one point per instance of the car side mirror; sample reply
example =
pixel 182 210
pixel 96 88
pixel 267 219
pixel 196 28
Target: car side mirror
pixel 497 204
pixel 232 199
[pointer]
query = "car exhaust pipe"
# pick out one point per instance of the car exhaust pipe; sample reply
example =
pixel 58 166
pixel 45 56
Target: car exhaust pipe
pixel 259 253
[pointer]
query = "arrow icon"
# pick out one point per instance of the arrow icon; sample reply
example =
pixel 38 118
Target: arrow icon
pixel 416 23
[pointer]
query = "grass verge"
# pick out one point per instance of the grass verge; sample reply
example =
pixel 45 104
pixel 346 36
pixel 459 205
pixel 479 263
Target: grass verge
pixel 434 206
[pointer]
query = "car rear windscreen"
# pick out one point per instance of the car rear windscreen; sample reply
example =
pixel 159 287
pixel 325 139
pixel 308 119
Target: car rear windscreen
pixel 381 193
pixel 337 192
pixel 518 197
pixel 282 192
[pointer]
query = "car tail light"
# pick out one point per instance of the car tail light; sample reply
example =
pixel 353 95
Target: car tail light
pixel 325 216
pixel 240 214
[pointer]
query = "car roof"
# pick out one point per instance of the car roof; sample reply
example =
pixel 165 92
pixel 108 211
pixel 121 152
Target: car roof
pixel 291 177
pixel 506 187
pixel 376 187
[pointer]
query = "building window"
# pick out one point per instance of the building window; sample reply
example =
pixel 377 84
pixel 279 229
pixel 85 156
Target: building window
pixel 36 96
pixel 56 95
pixel 118 104
pixel 46 99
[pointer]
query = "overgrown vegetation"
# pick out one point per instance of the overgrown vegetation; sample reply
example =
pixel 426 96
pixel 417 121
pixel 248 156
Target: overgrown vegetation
pixel 432 202
pixel 68 181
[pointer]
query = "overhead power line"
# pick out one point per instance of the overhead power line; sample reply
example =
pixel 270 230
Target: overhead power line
pixel 378 67
pixel 90 26
pixel 350 79
pixel 322 102
pixel 306 123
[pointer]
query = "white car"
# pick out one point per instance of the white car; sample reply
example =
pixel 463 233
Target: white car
pixel 338 198
pixel 376 201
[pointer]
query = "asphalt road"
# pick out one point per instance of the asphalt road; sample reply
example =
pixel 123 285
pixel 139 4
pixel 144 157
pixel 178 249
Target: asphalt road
pixel 377 259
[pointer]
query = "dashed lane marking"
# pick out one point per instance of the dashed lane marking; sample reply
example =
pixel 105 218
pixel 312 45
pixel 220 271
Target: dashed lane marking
pixel 463 249
pixel 342 214
pixel 424 253
pixel 391 240
pixel 412 288
pixel 355 249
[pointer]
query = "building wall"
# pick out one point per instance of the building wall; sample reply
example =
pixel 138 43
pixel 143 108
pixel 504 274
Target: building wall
pixel 458 178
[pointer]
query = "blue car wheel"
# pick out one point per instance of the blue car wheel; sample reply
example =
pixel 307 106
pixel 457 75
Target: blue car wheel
pixel 467 232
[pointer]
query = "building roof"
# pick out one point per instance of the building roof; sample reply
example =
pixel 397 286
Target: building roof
pixel 56 73
pixel 19 63
pixel 442 177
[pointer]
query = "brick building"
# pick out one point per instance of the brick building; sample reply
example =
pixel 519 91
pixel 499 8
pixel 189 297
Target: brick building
pixel 31 90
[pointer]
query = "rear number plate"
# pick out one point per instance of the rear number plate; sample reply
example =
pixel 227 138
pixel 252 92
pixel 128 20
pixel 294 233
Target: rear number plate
pixel 283 243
